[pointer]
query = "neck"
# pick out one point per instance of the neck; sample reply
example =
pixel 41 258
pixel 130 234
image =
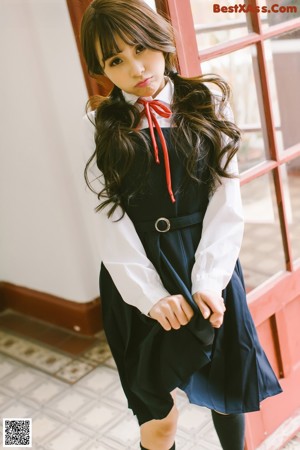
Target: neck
pixel 161 88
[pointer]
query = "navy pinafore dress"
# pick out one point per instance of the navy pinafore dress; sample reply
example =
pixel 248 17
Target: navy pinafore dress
pixel 223 369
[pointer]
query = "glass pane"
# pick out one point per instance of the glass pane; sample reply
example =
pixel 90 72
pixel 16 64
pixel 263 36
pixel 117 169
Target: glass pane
pixel 273 13
pixel 262 254
pixel 283 63
pixel 240 70
pixel 151 3
pixel 290 173
pixel 213 27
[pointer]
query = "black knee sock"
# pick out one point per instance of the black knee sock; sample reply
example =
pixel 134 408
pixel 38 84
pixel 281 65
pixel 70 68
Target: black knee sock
pixel 172 448
pixel 230 429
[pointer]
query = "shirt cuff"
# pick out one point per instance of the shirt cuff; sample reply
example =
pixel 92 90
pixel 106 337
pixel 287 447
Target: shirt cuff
pixel 145 304
pixel 203 283
pixel 138 285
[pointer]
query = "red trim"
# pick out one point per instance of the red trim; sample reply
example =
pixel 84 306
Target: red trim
pixel 283 218
pixel 255 18
pixel 229 47
pixel 85 318
pixel 250 39
pixel 283 341
pixel 76 10
pixel 290 153
pixel 284 27
pixel 97 85
pixel 180 13
pixel 273 295
pixel 265 92
pixel 257 171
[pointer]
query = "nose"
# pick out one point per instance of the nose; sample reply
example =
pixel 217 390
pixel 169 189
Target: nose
pixel 137 68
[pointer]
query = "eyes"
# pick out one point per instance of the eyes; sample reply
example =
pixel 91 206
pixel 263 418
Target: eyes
pixel 139 48
pixel 115 62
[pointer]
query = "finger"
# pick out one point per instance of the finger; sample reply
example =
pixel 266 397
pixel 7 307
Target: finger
pixel 188 310
pixel 222 305
pixel 173 320
pixel 173 312
pixel 205 310
pixel 178 311
pixel 164 323
pixel 181 309
pixel 158 315
pixel 181 317
pixel 216 320
pixel 217 324
pixel 216 304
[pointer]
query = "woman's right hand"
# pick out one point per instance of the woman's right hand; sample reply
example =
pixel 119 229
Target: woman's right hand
pixel 172 312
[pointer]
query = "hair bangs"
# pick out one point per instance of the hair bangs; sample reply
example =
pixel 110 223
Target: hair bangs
pixel 132 21
pixel 131 33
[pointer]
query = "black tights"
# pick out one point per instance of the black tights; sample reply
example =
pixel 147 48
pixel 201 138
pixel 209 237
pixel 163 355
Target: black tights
pixel 172 448
pixel 230 429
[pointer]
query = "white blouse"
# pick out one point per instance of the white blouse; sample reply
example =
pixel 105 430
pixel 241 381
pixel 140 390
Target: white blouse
pixel 123 254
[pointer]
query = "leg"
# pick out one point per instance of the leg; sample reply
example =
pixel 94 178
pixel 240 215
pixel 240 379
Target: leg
pixel 230 429
pixel 160 434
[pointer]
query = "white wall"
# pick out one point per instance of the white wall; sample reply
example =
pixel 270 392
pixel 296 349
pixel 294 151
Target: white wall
pixel 47 238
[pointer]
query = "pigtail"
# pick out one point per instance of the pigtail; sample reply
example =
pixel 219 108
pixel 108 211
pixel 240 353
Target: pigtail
pixel 117 140
pixel 200 120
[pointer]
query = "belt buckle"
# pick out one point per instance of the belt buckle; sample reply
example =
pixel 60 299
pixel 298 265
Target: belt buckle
pixel 166 222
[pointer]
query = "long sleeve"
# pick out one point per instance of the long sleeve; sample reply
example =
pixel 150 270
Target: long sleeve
pixel 121 250
pixel 222 234
pixel 221 239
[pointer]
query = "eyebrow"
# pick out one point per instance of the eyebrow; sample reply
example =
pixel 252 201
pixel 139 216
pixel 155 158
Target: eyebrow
pixel 111 55
pixel 115 53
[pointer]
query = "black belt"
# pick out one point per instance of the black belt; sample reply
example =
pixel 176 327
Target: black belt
pixel 164 224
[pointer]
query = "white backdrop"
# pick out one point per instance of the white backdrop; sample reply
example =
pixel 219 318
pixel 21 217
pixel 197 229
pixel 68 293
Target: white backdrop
pixel 47 235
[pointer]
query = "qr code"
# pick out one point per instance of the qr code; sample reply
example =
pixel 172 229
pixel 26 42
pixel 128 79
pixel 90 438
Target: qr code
pixel 17 432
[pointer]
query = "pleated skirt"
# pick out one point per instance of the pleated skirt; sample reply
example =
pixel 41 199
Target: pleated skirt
pixel 223 369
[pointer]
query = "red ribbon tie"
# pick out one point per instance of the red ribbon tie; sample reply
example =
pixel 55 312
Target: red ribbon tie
pixel 149 107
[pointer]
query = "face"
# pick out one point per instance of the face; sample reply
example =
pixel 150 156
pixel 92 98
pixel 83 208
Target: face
pixel 136 70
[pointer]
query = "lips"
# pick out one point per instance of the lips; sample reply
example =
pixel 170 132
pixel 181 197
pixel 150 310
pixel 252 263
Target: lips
pixel 144 82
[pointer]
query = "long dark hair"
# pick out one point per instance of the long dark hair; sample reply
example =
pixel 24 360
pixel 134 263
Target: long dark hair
pixel 198 114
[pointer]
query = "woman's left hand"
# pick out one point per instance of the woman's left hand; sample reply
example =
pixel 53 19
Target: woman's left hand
pixel 211 306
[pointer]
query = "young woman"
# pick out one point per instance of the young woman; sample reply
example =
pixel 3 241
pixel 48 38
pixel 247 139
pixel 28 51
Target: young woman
pixel 164 168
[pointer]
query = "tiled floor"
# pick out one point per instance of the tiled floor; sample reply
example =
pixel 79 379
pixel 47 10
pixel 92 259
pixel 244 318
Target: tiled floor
pixel 75 399
pixel 55 351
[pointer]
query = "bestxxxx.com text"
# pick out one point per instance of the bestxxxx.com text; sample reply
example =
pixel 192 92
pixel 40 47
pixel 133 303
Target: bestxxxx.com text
pixel 242 8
